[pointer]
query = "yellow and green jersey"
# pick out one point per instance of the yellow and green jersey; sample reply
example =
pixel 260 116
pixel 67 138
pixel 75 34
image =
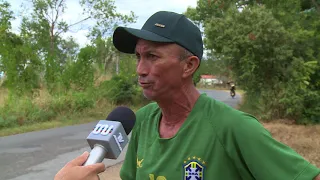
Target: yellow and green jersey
pixel 216 142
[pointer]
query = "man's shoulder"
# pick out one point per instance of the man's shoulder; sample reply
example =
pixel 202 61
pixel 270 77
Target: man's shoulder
pixel 228 122
pixel 240 123
pixel 223 116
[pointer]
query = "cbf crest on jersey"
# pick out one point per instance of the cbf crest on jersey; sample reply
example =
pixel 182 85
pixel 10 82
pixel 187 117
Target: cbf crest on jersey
pixel 194 168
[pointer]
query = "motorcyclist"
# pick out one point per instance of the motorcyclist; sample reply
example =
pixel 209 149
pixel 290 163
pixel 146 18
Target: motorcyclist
pixel 233 90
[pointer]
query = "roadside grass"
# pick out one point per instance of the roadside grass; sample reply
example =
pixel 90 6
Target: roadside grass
pixel 91 115
pixel 304 139
pixel 45 111
pixel 3 96
pixel 62 121
pixel 100 111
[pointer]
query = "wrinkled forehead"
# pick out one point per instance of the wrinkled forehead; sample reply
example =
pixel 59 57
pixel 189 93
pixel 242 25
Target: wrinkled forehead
pixel 147 46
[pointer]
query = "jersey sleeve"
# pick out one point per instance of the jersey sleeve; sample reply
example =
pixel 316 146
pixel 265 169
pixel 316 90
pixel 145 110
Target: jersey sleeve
pixel 128 169
pixel 129 166
pixel 253 147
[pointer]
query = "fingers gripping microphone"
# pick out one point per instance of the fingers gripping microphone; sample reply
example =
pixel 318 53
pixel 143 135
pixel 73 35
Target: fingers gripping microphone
pixel 109 136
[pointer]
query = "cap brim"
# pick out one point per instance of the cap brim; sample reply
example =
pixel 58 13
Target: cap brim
pixel 125 39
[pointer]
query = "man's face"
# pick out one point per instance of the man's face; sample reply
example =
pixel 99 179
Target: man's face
pixel 159 68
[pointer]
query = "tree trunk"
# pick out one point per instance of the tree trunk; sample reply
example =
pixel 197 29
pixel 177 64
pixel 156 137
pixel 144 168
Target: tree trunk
pixel 51 40
pixel 117 64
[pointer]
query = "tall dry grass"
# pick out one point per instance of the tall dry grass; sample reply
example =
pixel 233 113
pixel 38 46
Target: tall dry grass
pixel 303 139
pixel 40 106
pixel 41 98
pixel 3 96
pixel 43 107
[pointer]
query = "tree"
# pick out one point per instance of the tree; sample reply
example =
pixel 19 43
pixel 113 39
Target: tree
pixel 43 30
pixel 8 43
pixel 45 27
pixel 79 74
pixel 69 50
pixel 106 17
pixel 17 60
pixel 5 25
pixel 106 54
pixel 270 48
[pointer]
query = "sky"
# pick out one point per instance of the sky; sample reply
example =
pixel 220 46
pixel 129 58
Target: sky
pixel 142 8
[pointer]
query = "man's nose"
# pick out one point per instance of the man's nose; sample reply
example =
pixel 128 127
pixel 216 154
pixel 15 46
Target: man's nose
pixel 142 68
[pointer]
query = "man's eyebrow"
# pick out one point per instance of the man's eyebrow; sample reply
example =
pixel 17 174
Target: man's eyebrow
pixel 146 51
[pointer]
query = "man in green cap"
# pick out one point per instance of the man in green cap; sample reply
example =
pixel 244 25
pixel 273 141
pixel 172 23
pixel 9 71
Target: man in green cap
pixel 187 135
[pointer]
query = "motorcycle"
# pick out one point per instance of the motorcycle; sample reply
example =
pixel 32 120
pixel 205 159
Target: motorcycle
pixel 232 92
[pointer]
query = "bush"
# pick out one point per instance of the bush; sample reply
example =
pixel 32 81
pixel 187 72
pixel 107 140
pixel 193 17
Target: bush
pixel 120 90
pixel 8 122
pixel 311 112
pixel 40 115
pixel 41 106
pixel 140 99
pixel 82 101
pixel 60 103
pixel 268 60
pixel 72 102
pixel 21 111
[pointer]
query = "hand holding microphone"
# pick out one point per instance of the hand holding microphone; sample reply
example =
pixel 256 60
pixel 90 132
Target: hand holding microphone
pixel 107 140
pixel 74 170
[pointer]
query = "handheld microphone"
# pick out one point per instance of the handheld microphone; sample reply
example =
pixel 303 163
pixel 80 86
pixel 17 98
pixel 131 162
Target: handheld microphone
pixel 109 136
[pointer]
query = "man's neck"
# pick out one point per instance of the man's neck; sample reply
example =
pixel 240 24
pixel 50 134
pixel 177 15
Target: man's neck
pixel 176 109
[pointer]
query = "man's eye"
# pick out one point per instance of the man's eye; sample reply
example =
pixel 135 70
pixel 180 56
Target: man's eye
pixel 152 56
pixel 138 57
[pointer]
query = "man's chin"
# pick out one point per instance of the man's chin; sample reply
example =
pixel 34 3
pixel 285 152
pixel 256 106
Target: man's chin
pixel 154 96
pixel 146 95
pixel 150 95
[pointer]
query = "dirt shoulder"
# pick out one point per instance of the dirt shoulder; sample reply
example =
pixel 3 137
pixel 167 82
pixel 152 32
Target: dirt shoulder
pixel 111 173
pixel 303 139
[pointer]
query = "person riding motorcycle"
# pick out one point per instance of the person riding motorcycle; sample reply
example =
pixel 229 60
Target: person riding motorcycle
pixel 233 90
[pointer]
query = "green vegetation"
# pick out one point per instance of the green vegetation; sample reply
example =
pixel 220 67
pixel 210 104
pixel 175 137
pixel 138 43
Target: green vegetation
pixel 271 50
pixel 49 80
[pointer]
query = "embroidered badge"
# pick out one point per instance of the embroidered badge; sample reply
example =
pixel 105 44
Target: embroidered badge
pixel 193 168
pixel 139 163
pixel 160 25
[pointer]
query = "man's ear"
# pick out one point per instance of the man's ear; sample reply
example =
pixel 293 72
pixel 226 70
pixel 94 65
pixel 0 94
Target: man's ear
pixel 190 66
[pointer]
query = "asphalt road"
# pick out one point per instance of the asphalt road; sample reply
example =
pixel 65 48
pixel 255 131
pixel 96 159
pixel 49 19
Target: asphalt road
pixel 39 155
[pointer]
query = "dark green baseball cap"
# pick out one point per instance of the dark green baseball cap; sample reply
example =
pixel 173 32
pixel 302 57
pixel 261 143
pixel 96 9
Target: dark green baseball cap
pixel 163 26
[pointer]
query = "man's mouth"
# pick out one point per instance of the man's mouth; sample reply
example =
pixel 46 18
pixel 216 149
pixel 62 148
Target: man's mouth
pixel 145 84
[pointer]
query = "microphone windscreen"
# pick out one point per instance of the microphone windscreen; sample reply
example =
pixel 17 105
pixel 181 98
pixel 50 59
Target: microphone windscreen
pixel 124 115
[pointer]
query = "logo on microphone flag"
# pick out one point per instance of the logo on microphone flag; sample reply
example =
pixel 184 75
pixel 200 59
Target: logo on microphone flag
pixel 194 169
pixel 102 129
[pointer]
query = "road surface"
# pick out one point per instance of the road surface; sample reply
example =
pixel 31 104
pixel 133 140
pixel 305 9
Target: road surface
pixel 39 155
